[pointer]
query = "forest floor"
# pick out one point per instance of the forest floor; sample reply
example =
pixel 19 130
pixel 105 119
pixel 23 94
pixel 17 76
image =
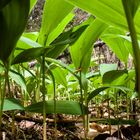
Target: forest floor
pixel 68 128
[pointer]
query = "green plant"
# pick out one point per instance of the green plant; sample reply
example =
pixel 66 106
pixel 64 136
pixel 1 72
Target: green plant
pixel 12 25
pixel 110 21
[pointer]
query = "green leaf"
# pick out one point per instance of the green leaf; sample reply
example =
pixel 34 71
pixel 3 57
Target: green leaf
pixel 95 92
pixel 12 104
pixel 29 54
pixel 32 4
pixel 18 78
pixel 116 43
pixel 107 67
pixel 31 35
pixel 13 18
pixel 115 77
pixel 54 12
pixel 69 37
pixel 60 76
pixel 128 43
pixel 31 84
pixel 62 107
pixel 63 65
pixel 137 21
pixel 59 29
pixel 26 43
pixel 81 50
pixel 109 11
pixel 64 39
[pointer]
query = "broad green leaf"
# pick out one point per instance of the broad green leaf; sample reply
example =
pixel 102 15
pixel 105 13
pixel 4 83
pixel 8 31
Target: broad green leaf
pixel 127 42
pixel 131 74
pixel 13 18
pixel 54 12
pixel 107 67
pixel 55 51
pixel 18 78
pixel 29 54
pixel 31 35
pixel 81 50
pixel 95 92
pixel 63 40
pixel 137 21
pixel 26 43
pixel 115 77
pixel 116 43
pixel 59 29
pixel 69 37
pixel 109 11
pixel 12 104
pixel 63 65
pixel 62 107
pixel 60 76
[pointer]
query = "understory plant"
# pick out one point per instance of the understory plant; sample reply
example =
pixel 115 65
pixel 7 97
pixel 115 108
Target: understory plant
pixel 44 85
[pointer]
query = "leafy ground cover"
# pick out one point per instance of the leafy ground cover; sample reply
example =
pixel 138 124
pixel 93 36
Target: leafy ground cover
pixel 42 97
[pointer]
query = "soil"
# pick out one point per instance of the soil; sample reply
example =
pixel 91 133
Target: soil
pixel 68 128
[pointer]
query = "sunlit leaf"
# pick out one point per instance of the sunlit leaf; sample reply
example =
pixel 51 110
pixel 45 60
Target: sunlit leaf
pixel 82 49
pixel 107 67
pixel 64 39
pixel 60 76
pixel 109 11
pixel 116 43
pixel 54 13
pixel 59 29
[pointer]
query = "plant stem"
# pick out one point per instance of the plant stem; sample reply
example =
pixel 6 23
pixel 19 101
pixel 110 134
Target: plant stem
pixel 2 95
pixel 11 96
pixel 54 98
pixel 44 99
pixel 136 49
pixel 109 114
pixel 82 102
pixel 117 117
pixel 55 115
